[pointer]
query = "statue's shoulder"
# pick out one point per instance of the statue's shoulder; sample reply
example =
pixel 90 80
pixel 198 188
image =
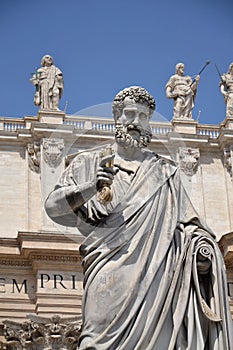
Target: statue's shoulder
pixel 162 160
pixel 173 78
pixel 163 167
pixel 57 70
pixel 168 161
pixel 188 78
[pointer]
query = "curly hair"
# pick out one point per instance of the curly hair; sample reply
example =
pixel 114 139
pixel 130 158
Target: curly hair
pixel 136 93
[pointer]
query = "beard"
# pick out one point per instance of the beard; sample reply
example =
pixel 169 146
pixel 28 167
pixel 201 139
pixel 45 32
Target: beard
pixel 124 139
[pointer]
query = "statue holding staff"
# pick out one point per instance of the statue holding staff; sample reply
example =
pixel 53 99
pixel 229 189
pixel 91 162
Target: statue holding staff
pixel 49 84
pixel 182 89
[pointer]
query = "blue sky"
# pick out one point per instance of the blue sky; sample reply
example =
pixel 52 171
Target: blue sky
pixel 103 46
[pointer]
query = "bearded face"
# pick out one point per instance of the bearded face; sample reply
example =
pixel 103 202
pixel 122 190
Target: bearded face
pixel 123 136
pixel 132 127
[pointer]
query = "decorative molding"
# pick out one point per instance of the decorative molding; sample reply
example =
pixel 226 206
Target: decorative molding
pixel 43 333
pixel 52 151
pixel 33 150
pixel 189 160
pixel 40 257
pixel 228 159
pixel 60 258
pixel 10 262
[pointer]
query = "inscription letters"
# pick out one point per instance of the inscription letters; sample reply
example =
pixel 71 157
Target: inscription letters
pixel 48 281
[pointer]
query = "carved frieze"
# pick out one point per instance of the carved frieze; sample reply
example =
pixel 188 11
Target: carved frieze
pixel 189 160
pixel 33 150
pixel 43 333
pixel 52 151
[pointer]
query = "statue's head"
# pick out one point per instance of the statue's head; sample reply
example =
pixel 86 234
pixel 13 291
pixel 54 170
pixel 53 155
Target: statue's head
pixel 180 68
pixel 230 69
pixel 134 93
pixel 46 61
pixel 132 110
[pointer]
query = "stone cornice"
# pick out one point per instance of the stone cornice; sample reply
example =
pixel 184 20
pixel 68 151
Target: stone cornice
pixel 48 247
pixel 33 128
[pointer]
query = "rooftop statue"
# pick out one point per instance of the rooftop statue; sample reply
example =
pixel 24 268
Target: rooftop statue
pixel 226 87
pixel 183 90
pixel 154 276
pixel 48 81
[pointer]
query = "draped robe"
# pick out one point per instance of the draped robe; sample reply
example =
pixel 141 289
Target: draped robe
pixel 49 86
pixel 143 284
pixel 184 101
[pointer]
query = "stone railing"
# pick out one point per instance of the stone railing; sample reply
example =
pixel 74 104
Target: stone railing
pixel 209 130
pixel 12 124
pixel 104 125
pixel 78 124
pixel 161 128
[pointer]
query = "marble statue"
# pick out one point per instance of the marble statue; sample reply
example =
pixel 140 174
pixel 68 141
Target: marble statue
pixel 49 84
pixel 226 87
pixel 183 90
pixel 154 276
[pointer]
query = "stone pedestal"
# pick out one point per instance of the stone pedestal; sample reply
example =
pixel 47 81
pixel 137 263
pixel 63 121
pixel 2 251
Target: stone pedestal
pixel 184 126
pixel 51 117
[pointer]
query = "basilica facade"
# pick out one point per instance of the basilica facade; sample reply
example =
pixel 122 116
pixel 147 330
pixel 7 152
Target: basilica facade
pixel 40 264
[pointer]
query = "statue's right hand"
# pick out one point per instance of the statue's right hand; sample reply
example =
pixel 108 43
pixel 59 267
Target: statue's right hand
pixel 106 172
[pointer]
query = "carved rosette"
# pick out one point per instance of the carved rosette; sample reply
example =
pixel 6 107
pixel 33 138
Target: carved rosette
pixel 52 151
pixel 33 150
pixel 228 159
pixel 43 333
pixel 189 160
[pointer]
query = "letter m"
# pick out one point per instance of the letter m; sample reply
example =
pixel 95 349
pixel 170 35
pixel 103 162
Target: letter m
pixel 19 288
